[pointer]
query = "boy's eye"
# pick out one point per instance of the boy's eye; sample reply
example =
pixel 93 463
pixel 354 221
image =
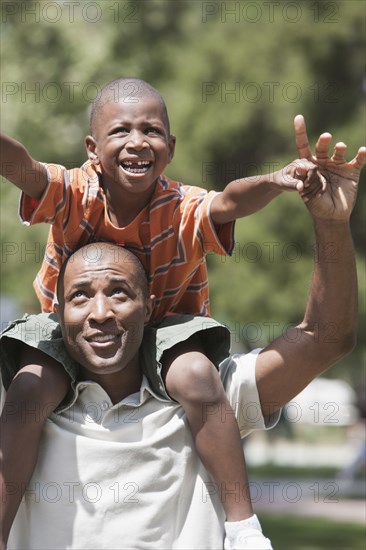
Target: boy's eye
pixel 120 130
pixel 153 130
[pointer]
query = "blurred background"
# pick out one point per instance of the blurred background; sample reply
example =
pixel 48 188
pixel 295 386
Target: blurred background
pixel 234 75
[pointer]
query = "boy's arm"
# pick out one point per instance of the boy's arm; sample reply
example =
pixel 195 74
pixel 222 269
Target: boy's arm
pixel 243 197
pixel 328 331
pixel 20 168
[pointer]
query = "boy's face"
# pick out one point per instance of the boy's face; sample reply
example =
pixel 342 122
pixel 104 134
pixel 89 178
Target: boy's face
pixel 131 143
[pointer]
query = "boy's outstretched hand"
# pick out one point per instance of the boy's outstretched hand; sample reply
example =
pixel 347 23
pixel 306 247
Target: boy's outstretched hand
pixel 337 199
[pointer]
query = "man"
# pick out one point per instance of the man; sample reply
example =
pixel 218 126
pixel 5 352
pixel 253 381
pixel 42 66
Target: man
pixel 117 468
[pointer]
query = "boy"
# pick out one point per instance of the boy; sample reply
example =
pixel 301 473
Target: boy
pixel 121 195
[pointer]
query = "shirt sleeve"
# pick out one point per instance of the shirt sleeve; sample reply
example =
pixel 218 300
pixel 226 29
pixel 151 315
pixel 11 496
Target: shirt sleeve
pixel 196 219
pixel 238 376
pixel 52 202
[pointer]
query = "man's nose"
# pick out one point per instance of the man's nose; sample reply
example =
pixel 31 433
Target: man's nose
pixel 137 139
pixel 101 309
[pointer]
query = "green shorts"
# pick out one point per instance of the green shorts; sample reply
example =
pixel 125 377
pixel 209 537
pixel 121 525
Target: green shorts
pixel 44 333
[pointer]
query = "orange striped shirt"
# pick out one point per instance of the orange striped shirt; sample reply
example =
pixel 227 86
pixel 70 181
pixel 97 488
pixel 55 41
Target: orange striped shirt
pixel 171 236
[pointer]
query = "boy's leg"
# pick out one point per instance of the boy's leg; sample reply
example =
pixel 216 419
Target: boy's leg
pixel 193 381
pixel 38 388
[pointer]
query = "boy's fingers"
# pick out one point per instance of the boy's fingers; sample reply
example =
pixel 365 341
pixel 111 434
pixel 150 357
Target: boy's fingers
pixel 294 182
pixel 301 137
pixel 293 179
pixel 315 183
pixel 299 186
pixel 300 174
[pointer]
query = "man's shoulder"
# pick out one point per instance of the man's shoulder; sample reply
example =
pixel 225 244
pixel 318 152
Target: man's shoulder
pixel 244 357
pixel 239 367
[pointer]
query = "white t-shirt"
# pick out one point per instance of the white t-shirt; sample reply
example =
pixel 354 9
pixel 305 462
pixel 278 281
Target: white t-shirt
pixel 127 475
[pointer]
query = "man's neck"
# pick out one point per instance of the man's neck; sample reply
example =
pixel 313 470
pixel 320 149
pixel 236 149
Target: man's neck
pixel 117 385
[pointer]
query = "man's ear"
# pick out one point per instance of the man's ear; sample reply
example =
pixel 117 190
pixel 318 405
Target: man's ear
pixel 56 309
pixel 91 148
pixel 171 145
pixel 149 307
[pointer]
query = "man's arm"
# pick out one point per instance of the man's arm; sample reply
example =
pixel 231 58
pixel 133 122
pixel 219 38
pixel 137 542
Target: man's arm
pixel 328 331
pixel 20 168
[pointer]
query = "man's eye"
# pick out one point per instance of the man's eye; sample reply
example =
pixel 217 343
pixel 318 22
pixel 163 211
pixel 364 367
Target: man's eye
pixel 119 292
pixel 79 294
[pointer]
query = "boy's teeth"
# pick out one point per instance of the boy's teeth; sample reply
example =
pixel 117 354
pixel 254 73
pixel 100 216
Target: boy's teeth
pixel 139 162
pixel 136 167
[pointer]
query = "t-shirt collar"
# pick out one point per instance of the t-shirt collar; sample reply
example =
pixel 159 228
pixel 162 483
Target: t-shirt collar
pixel 135 399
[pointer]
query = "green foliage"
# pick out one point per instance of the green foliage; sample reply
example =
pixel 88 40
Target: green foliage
pixel 290 533
pixel 233 84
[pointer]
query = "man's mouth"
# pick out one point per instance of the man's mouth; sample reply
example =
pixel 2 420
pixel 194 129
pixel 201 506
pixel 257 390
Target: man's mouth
pixel 136 166
pixel 103 339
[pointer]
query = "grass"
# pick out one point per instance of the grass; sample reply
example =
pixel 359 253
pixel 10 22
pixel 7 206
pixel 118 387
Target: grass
pixel 289 532
pixel 301 472
pixel 294 533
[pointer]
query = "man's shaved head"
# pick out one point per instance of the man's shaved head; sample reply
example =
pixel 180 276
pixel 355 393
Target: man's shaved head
pixel 103 308
pixel 94 252
pixel 129 90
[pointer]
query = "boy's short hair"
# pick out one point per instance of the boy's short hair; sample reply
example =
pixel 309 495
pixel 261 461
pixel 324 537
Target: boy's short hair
pixel 128 88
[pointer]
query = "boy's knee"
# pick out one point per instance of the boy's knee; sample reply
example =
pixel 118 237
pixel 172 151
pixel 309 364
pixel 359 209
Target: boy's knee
pixel 199 381
pixel 39 385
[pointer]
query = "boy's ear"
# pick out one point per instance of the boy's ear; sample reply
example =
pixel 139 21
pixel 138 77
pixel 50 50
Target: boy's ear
pixel 91 148
pixel 171 145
